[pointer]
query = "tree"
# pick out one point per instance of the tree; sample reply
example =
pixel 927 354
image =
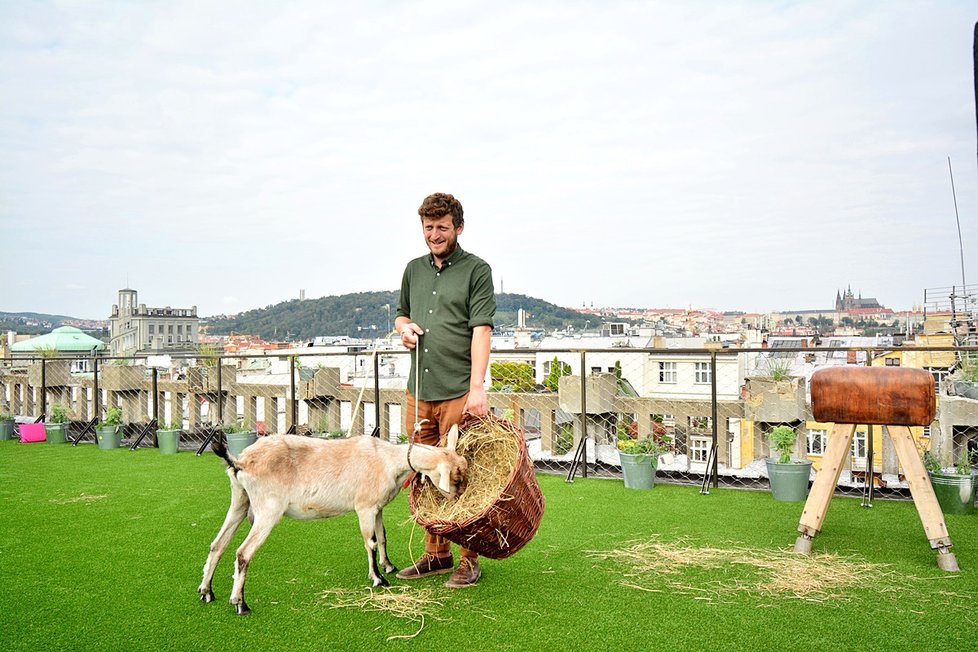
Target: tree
pixel 516 376
pixel 557 369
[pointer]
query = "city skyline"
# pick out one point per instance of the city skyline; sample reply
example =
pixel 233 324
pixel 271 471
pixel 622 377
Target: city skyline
pixel 734 155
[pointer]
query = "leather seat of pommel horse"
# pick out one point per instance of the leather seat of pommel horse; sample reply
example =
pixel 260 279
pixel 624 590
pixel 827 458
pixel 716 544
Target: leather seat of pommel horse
pixel 892 397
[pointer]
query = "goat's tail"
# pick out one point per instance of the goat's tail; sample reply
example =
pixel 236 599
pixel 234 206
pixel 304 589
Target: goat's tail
pixel 221 450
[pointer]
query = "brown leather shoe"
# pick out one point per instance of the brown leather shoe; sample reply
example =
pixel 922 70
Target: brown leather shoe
pixel 467 573
pixel 427 564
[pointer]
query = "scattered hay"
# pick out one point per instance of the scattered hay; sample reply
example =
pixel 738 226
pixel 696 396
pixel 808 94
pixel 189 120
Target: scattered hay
pixel 80 498
pixel 413 605
pixel 812 578
pixel 491 448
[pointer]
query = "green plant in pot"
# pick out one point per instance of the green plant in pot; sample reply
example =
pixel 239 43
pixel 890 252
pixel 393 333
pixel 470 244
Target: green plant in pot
pixel 56 426
pixel 7 422
pixel 639 459
pixel 108 432
pixel 168 437
pixel 955 486
pixel 239 437
pixel 789 477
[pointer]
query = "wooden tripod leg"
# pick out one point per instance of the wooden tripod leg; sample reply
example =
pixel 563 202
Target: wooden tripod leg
pixel 826 480
pixel 924 498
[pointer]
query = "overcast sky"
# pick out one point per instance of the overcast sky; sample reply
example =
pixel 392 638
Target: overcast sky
pixel 727 155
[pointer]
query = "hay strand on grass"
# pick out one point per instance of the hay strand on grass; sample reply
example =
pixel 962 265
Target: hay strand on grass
pixel 812 578
pixel 403 602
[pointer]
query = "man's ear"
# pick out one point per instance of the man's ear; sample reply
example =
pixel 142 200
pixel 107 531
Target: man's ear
pixel 452 438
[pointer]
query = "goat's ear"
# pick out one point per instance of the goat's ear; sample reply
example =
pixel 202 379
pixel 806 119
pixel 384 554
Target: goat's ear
pixel 452 438
pixel 444 482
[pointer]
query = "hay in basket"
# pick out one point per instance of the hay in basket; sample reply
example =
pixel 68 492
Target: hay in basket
pixel 501 507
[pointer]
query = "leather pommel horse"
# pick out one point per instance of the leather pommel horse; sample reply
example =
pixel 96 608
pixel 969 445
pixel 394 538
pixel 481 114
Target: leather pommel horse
pixel 892 397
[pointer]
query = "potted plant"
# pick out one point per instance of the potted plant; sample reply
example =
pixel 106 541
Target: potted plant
pixel 6 426
pixel 168 437
pixel 56 427
pixel 639 459
pixel 774 394
pixel 955 487
pixel 108 432
pixel 239 437
pixel 789 478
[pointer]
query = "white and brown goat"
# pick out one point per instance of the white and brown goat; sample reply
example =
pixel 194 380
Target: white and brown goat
pixel 308 478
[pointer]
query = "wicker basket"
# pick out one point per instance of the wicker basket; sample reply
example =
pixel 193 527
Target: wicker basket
pixel 507 524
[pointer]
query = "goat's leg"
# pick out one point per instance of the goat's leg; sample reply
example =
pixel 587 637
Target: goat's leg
pixel 368 519
pixel 381 534
pixel 264 522
pixel 235 516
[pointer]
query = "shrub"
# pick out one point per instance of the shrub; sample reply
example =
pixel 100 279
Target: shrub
pixel 58 414
pixel 783 440
pixel 113 418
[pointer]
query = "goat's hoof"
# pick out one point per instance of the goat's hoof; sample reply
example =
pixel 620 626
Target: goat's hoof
pixel 391 569
pixel 242 609
pixel 207 596
pixel 381 581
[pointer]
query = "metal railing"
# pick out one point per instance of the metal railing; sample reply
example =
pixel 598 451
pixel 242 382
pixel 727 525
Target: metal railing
pixel 711 407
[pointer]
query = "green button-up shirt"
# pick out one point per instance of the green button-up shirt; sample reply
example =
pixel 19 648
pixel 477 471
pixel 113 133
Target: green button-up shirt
pixel 447 303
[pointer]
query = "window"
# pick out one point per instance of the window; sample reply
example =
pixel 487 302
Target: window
pixel 179 329
pixel 152 329
pixel 926 431
pixel 667 372
pixel 169 330
pixel 701 424
pixel 703 374
pixel 816 441
pixel 859 444
pixel 595 370
pixel 939 376
pixel 169 339
pixel 699 449
pixel 892 362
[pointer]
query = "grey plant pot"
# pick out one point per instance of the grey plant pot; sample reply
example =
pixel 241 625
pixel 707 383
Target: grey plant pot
pixel 789 482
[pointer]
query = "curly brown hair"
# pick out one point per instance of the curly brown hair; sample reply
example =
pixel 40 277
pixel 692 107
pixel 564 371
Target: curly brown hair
pixel 439 205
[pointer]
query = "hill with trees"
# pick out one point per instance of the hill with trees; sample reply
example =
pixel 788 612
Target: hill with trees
pixel 366 314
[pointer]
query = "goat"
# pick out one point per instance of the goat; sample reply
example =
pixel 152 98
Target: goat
pixel 308 478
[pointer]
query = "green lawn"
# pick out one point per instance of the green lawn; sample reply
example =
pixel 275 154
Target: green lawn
pixel 104 549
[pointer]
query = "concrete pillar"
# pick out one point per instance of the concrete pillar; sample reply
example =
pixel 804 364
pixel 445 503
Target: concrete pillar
pixel 548 429
pixel 333 414
pixel 385 421
pixel 250 411
pixel 289 406
pixel 230 407
pixel 83 404
pixel 193 409
pixel 271 414
pixel 317 415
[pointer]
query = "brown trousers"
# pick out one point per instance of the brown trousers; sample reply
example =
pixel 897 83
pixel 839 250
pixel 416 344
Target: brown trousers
pixel 441 416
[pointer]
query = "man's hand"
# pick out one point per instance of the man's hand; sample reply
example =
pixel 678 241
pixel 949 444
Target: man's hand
pixel 476 403
pixel 409 334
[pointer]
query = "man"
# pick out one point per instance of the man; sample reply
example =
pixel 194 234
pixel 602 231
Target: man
pixel 445 314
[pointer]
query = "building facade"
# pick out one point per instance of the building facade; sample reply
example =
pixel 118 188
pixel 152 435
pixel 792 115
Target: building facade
pixel 136 329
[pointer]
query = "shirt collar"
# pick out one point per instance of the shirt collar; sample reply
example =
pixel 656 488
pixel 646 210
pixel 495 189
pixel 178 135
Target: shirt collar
pixel 454 258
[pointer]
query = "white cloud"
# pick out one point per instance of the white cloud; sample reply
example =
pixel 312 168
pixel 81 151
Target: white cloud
pixel 638 153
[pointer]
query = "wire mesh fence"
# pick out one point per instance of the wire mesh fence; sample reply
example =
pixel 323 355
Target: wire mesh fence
pixel 709 411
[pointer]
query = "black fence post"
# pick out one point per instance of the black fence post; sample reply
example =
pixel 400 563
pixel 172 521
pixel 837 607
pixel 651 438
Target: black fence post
pixel 294 402
pixel 220 391
pixel 44 388
pixel 715 412
pixel 376 432
pixel 580 455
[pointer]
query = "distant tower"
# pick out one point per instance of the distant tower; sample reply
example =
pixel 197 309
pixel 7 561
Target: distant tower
pixel 302 295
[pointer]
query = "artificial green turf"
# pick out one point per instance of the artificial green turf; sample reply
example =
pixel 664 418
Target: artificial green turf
pixel 104 549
